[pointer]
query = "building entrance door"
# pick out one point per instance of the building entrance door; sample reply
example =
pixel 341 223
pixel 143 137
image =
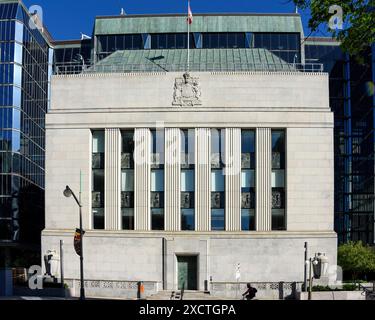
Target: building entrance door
pixel 187 272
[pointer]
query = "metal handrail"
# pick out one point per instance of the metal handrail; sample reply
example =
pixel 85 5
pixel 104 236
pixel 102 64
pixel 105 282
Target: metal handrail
pixel 76 68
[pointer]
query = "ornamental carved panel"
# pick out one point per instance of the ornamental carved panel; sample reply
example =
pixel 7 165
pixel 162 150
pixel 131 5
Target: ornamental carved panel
pixel 277 199
pixel 97 200
pixel 248 200
pixel 246 160
pixel 127 199
pixel 187 91
pixel 126 161
pixel 98 161
pixel 187 200
pixel 217 200
pixel 157 200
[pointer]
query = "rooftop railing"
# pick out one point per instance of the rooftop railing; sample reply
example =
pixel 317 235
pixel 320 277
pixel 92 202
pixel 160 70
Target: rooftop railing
pixel 76 68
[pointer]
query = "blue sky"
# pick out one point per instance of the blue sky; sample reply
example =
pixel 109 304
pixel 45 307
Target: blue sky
pixel 66 19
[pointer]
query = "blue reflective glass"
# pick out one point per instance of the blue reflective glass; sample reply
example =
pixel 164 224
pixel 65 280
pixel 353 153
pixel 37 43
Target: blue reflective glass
pixel 217 181
pixel 6 118
pixel 8 11
pixel 18 53
pixel 247 219
pixel 217 138
pixel 187 219
pixel 17 97
pixel 17 78
pixel 187 180
pixel 248 141
pixel 16 119
pixel 217 219
pixel 16 141
pixel 5 140
pixel 18 32
pixel 157 180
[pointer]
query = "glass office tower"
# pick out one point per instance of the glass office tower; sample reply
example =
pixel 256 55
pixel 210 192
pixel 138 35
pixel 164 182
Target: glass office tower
pixel 352 101
pixel 25 70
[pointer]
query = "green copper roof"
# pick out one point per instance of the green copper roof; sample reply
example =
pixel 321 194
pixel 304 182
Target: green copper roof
pixel 201 23
pixel 200 60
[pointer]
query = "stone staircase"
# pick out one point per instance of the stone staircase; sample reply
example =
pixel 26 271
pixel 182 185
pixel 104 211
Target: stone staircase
pixel 188 295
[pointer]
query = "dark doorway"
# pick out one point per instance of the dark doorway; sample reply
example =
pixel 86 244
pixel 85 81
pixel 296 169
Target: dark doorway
pixel 187 272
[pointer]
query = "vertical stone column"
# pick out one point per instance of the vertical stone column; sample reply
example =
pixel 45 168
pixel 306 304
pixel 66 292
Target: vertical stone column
pixel 203 179
pixel 142 179
pixel 112 184
pixel 233 179
pixel 172 179
pixel 263 179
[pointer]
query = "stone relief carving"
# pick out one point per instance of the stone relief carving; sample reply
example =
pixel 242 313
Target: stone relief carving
pixel 187 91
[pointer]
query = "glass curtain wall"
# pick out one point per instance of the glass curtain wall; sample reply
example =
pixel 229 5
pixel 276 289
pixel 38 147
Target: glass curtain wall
pixel 248 180
pixel 98 165
pixel 217 180
pixel 24 98
pixel 107 44
pixel 187 180
pixel 278 180
pixel 127 180
pixel 157 179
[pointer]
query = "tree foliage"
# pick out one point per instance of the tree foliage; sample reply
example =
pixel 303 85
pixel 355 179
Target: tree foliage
pixel 356 258
pixel 358 32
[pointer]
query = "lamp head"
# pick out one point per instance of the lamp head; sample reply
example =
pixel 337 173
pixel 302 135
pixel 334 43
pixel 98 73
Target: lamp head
pixel 67 192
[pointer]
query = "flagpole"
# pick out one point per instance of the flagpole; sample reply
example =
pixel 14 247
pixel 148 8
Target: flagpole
pixel 188 41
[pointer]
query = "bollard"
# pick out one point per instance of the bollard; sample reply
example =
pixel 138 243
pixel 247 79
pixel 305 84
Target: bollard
pixel 141 290
pixel 206 286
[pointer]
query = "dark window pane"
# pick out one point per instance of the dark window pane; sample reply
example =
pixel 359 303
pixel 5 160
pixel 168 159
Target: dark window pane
pixel 181 41
pixel 223 40
pixel 111 43
pixel 278 219
pixel 247 220
pixel 275 41
pixel 187 220
pixel 218 219
pixel 120 42
pixel 98 219
pixel 171 41
pixel 127 219
pixel 157 219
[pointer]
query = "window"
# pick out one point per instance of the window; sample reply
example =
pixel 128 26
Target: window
pixel 171 41
pixel 278 180
pixel 98 142
pixel 157 180
pixel 127 180
pixel 248 180
pixel 112 43
pixel 187 180
pixel 217 180
pixel 287 46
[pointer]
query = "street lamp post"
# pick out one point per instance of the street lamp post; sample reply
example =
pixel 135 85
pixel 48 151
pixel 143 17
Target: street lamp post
pixel 68 193
pixel 317 268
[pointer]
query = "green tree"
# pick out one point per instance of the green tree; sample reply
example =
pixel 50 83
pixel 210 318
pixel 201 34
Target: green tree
pixel 356 258
pixel 358 16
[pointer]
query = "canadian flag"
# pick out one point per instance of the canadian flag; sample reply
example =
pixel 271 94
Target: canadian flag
pixel 190 14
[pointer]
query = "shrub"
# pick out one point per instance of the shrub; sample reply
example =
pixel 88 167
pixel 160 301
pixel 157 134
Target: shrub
pixel 356 258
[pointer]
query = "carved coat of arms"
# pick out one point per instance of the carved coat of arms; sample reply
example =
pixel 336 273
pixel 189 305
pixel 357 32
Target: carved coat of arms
pixel 187 92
